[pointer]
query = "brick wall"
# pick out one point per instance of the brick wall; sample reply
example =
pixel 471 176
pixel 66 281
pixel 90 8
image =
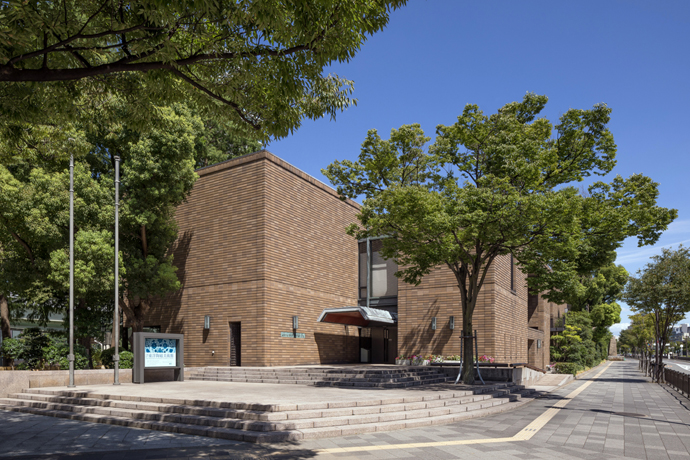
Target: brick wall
pixel 500 316
pixel 260 241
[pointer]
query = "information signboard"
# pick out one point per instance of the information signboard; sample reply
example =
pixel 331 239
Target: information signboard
pixel 155 352
pixel 160 352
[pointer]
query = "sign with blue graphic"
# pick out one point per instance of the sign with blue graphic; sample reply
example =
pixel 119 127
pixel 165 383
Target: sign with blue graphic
pixel 160 352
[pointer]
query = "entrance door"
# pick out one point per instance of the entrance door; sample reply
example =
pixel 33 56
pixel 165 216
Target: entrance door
pixel 235 344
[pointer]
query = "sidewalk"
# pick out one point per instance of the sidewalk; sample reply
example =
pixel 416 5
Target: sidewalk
pixel 618 414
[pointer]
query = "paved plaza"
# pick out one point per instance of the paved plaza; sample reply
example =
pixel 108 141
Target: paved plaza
pixel 612 412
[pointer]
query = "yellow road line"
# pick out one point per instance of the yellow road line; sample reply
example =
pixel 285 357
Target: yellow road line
pixel 523 435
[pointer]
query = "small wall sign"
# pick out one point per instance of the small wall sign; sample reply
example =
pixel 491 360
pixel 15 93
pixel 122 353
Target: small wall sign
pixel 294 335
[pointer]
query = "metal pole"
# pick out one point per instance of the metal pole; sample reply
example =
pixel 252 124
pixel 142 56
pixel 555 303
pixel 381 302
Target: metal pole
pixel 116 323
pixel 462 339
pixel 476 350
pixel 70 357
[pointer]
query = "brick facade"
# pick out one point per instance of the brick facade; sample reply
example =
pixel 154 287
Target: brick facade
pixel 261 241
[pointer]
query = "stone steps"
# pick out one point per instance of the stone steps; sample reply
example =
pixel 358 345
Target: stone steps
pixel 269 422
pixel 348 377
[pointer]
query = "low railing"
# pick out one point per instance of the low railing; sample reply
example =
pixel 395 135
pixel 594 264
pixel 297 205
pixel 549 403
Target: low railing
pixel 678 380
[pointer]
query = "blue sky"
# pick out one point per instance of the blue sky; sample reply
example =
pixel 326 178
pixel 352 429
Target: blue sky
pixel 436 56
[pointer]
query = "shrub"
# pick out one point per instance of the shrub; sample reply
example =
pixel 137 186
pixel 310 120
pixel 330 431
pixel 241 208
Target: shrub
pixel 11 350
pixel 126 358
pixel 55 354
pixel 566 368
pixel 34 342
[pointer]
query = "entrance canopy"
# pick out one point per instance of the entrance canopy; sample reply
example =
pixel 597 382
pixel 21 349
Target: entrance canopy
pixel 358 316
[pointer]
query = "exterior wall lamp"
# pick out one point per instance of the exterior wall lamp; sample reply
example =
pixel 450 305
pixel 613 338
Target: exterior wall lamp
pixel 451 323
pixel 433 323
pixel 295 322
pixel 207 322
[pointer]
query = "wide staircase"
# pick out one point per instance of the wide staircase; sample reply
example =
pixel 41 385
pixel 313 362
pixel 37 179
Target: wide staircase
pixel 358 377
pixel 262 423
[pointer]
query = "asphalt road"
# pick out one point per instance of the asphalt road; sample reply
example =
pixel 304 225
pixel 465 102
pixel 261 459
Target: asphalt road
pixel 678 365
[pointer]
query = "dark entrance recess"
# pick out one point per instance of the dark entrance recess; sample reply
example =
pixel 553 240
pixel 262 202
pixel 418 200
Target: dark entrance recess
pixel 386 344
pixel 364 345
pixel 235 344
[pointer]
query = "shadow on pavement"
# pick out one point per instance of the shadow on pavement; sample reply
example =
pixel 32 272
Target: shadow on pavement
pixel 224 452
pixel 623 414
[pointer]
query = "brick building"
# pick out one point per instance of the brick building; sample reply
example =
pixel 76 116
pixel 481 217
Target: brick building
pixel 262 248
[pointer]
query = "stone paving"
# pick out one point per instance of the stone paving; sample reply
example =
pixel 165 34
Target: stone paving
pixel 620 414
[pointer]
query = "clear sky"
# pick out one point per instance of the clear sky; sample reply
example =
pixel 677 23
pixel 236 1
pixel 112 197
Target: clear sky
pixel 436 56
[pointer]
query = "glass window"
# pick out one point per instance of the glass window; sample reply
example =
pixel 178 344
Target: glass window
pixel 363 270
pixel 383 280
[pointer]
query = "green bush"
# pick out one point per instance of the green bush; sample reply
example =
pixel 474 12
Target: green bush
pixel 55 354
pixel 11 350
pixel 567 368
pixel 34 342
pixel 126 358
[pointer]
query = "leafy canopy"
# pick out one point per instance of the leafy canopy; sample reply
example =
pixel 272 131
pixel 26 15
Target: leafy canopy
pixel 493 185
pixel 662 290
pixel 256 63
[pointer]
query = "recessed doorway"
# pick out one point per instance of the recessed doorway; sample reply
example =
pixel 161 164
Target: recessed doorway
pixel 235 341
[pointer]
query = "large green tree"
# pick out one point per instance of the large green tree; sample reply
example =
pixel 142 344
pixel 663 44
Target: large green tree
pixel 662 290
pixel 259 64
pixel 493 185
pixel 158 162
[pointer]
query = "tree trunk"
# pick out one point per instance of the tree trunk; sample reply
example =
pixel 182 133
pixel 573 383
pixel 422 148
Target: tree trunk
pixel 83 338
pixel 5 320
pixel 468 350
pixel 135 310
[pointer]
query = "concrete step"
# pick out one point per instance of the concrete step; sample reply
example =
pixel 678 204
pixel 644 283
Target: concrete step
pixel 198 430
pixel 268 422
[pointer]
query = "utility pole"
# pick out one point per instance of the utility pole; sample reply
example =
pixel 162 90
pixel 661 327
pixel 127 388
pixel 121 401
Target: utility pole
pixel 70 357
pixel 116 325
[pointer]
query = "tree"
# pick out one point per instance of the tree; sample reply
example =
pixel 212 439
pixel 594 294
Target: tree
pixel 639 334
pixel 258 64
pixel 662 289
pixel 495 185
pixel 157 174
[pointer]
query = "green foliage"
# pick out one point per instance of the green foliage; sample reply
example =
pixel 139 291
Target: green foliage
pixel 11 349
pixel 566 344
pixel 500 184
pixel 662 289
pixel 157 174
pixel 34 340
pixel 57 351
pixel 640 332
pixel 40 351
pixel 567 368
pixel 126 358
pixel 258 64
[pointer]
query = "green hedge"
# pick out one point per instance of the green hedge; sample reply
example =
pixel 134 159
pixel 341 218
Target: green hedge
pixel 567 368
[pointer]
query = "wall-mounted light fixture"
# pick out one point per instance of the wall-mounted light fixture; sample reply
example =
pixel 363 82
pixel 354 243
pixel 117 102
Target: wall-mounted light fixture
pixel 295 322
pixel 538 343
pixel 433 323
pixel 207 322
pixel 451 323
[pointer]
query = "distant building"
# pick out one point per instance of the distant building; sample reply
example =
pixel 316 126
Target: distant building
pixel 680 333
